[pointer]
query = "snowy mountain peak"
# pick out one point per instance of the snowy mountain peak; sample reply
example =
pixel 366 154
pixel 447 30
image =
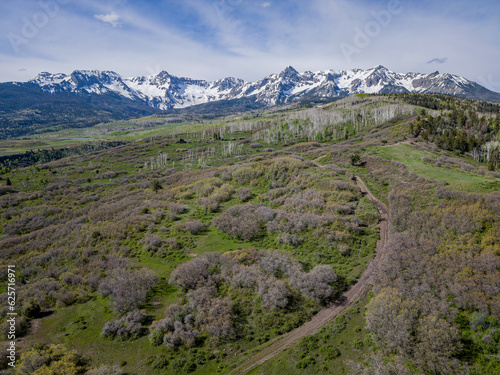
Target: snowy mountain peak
pixel 165 91
pixel 289 72
pixel 380 68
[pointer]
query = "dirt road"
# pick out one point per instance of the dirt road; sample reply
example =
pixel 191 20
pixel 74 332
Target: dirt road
pixel 331 312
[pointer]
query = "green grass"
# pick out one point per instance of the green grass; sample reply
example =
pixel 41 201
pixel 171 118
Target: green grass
pixel 457 179
pixel 78 327
pixel 325 352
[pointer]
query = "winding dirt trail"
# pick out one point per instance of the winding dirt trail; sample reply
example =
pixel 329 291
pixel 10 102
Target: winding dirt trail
pixel 329 313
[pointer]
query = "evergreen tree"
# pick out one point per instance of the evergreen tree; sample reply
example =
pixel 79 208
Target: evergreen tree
pixel 156 186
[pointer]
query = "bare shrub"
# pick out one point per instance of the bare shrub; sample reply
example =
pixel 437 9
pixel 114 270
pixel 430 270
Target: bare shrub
pixel 308 199
pixel 344 249
pixel 70 278
pixel 191 274
pixel 177 208
pixel 172 244
pixel 273 293
pixel 151 241
pixel 198 298
pixel 240 221
pixel 265 213
pixel 193 226
pixel 171 216
pixel 5 189
pixel 316 284
pixel 279 263
pixel 126 327
pixel 175 329
pixel 105 175
pixel 216 318
pixel 296 222
pixel 290 239
pixel 128 288
pixel 226 174
pixel 245 277
pixel 208 204
pixel 244 193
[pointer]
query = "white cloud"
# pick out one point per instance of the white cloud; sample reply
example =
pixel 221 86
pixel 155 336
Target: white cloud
pixel 251 41
pixel 438 60
pixel 112 18
pixel 265 4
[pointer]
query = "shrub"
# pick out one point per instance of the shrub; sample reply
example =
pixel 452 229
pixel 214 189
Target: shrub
pixel 280 167
pixel 303 363
pixel 193 226
pixel 392 320
pixel 316 284
pixel 223 194
pixel 206 187
pixel 245 277
pixel 175 329
pixel 191 274
pixel 244 193
pixel 156 186
pixel 172 244
pixel 32 309
pixel 355 159
pixel 245 174
pixel 151 241
pixel 128 288
pixel 208 204
pixel 177 208
pixel 290 239
pixel 158 362
pixel 279 263
pixel 240 221
pixel 5 189
pixel 216 318
pixel 53 359
pixel 127 327
pixel 199 298
pixel 273 293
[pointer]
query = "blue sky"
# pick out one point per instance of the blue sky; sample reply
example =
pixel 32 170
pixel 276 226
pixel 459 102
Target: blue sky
pixel 249 39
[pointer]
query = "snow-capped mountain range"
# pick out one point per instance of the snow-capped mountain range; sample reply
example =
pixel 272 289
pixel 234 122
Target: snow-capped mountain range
pixel 164 91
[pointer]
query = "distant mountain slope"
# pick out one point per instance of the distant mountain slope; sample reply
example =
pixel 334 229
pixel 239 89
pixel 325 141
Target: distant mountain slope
pixel 87 97
pixel 27 109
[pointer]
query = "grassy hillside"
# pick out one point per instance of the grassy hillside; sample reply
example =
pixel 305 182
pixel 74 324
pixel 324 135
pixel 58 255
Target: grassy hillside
pixel 192 246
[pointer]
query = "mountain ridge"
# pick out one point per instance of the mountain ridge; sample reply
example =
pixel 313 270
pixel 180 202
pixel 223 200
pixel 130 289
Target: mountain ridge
pixel 164 91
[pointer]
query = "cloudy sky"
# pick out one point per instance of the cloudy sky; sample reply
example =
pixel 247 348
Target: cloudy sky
pixel 249 39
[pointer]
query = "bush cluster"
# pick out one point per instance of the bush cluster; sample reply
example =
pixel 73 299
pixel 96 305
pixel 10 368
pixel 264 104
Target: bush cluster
pixel 130 326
